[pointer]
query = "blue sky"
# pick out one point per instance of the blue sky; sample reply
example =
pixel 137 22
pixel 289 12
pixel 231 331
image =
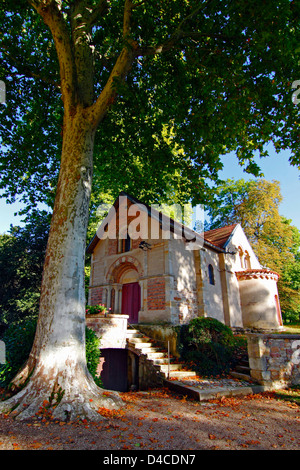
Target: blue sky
pixel 275 167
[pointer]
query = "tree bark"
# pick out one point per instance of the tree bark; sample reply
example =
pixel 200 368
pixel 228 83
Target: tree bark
pixel 57 365
pixel 56 371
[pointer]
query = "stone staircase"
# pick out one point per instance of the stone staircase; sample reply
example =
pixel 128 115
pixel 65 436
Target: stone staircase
pixel 242 370
pixel 157 355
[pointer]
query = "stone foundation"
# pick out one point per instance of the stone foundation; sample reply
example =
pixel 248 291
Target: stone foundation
pixel 274 359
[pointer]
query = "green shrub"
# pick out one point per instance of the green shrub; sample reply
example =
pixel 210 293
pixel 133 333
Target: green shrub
pixel 208 346
pixel 92 344
pixel 18 339
pixel 291 316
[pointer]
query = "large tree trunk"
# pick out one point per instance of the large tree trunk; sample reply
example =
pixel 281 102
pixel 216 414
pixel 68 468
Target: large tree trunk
pixel 56 369
pixel 56 374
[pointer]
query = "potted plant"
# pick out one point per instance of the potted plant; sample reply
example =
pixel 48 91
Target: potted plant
pixel 96 309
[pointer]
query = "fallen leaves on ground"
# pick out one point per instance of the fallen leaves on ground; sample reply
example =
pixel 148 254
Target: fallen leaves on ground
pixel 161 420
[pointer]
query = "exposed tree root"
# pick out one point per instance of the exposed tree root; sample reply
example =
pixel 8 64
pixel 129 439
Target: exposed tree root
pixel 60 400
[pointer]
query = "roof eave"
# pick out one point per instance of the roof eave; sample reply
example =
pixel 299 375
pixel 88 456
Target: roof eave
pixel 175 227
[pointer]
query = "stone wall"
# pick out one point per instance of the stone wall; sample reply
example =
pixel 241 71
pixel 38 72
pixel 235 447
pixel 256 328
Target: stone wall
pixel 156 294
pixel 274 359
pixel 212 287
pixel 96 296
pixel 111 329
pixel 163 334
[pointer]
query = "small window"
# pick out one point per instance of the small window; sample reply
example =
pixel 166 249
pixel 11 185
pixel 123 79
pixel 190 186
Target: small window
pixel 211 275
pixel 247 262
pixel 124 244
pixel 241 255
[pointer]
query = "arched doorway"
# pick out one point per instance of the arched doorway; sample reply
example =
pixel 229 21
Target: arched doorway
pixel 131 301
pixel 126 291
pixel 131 295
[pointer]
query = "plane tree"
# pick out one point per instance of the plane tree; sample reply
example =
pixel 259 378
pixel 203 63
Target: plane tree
pixel 144 95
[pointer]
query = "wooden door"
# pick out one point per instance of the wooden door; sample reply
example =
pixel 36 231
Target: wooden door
pixel 131 301
pixel 114 369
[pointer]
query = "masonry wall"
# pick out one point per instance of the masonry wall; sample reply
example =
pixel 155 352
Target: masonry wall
pixel 183 289
pixel 274 359
pixel 155 305
pixel 258 292
pixel 156 294
pixel 212 293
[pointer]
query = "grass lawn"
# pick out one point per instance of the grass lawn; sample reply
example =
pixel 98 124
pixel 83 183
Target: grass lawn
pixel 292 394
pixel 293 329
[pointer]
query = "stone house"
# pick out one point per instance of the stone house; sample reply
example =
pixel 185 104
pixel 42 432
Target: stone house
pixel 157 271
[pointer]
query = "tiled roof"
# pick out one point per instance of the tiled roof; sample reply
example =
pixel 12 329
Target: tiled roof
pixel 219 236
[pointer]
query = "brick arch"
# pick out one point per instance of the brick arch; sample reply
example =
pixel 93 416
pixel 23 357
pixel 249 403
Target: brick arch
pixel 121 265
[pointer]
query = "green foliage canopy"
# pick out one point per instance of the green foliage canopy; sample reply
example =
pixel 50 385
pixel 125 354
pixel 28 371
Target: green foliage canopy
pixel 208 78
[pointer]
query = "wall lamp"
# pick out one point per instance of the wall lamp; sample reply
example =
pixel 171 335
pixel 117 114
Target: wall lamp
pixel 144 246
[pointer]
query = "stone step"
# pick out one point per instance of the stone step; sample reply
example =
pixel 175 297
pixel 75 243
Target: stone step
pixel 244 362
pixel 180 373
pixel 157 356
pixel 133 334
pixel 152 355
pixel 165 367
pixel 161 361
pixel 133 331
pixel 240 376
pixel 243 369
pixel 149 350
pixel 140 341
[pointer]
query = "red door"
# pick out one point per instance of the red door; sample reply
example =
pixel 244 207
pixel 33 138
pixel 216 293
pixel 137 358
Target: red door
pixel 131 301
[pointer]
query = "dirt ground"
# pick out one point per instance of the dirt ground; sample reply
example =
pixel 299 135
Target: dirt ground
pixel 159 420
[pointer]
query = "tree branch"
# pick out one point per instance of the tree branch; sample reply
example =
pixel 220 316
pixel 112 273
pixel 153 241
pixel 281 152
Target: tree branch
pixel 98 11
pixel 81 33
pixel 119 71
pixel 127 19
pixel 178 34
pixel 136 5
pixel 27 71
pixel 106 98
pixel 50 11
